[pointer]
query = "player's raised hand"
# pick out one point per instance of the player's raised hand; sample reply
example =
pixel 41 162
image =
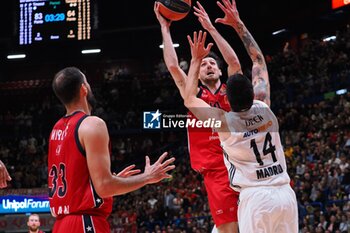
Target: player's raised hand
pixel 231 13
pixel 128 171
pixel 197 44
pixel 4 175
pixel 158 171
pixel 162 21
pixel 203 17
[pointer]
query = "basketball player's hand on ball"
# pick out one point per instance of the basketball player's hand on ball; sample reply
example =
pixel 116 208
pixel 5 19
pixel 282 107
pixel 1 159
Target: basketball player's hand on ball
pixel 231 14
pixel 128 171
pixel 158 171
pixel 197 44
pixel 162 21
pixel 203 17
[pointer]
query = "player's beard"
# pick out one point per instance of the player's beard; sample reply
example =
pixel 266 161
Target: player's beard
pixel 207 80
pixel 91 100
pixel 33 228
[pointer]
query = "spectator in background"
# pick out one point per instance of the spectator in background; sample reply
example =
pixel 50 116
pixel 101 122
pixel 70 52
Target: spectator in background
pixel 183 64
pixel 34 224
pixel 4 175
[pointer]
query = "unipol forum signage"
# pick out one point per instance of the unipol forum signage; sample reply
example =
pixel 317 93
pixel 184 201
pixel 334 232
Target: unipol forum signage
pixel 14 204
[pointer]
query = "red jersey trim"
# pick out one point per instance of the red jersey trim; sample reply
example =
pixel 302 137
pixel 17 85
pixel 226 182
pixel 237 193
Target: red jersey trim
pixel 217 90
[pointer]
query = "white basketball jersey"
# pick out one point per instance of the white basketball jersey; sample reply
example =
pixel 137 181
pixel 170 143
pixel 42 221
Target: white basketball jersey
pixel 254 154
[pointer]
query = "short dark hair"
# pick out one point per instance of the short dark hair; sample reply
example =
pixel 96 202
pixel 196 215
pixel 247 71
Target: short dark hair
pixel 66 84
pixel 240 93
pixel 216 58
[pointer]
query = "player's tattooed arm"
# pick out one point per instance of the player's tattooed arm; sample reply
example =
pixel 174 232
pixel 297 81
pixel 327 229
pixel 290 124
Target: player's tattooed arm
pixel 260 77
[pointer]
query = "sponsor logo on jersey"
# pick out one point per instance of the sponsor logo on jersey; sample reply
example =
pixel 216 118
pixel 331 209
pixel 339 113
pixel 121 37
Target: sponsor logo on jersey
pixel 262 128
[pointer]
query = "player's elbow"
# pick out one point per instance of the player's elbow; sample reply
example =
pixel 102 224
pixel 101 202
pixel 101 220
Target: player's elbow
pixel 101 188
pixel 101 192
pixel 173 68
pixel 188 101
pixel 234 68
pixel 260 95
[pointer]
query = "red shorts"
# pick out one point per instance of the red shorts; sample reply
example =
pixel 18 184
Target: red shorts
pixel 223 201
pixel 81 224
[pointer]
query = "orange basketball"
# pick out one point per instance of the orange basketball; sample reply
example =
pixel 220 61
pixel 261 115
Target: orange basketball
pixel 174 9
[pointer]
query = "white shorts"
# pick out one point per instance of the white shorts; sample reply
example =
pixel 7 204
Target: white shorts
pixel 268 209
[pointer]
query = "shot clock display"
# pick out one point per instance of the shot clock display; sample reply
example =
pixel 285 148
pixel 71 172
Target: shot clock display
pixel 49 20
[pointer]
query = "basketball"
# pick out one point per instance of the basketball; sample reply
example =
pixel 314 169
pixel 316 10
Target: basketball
pixel 174 10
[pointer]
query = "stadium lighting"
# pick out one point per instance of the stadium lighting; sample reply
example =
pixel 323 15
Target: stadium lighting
pixel 278 32
pixel 16 56
pixel 90 51
pixel 329 38
pixel 176 45
pixel 341 91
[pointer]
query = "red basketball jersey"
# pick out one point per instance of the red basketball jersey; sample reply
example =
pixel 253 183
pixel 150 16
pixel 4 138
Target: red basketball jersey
pixel 70 187
pixel 204 144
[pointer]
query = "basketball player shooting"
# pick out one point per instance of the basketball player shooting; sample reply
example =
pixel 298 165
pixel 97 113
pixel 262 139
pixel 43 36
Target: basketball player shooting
pixel 206 154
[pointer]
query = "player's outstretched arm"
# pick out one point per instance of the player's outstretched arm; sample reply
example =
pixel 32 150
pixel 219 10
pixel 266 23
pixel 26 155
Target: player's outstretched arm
pixel 226 50
pixel 94 138
pixel 4 175
pixel 169 53
pixel 198 52
pixel 197 106
pixel 260 76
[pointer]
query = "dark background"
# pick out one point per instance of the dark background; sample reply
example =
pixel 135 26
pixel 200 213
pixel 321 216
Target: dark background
pixel 128 29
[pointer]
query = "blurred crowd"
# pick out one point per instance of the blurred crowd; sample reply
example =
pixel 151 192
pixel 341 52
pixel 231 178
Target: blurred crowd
pixel 314 125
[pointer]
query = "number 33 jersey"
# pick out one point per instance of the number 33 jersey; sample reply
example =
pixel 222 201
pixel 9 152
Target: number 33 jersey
pixel 70 187
pixel 254 154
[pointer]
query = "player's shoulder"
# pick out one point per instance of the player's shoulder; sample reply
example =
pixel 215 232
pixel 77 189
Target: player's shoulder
pixel 92 123
pixel 259 104
pixel 92 128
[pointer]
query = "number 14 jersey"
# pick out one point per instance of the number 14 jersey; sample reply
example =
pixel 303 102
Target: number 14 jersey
pixel 254 154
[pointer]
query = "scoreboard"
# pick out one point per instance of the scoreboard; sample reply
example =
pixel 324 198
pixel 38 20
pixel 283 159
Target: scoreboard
pixel 49 20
